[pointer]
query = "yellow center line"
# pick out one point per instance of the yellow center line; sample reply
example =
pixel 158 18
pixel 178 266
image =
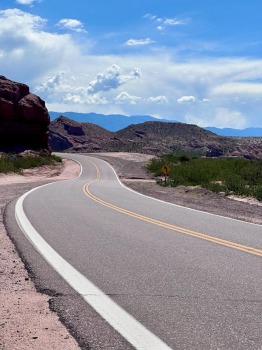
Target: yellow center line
pixel 185 231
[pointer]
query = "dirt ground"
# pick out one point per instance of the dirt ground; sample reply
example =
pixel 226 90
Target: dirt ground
pixel 26 322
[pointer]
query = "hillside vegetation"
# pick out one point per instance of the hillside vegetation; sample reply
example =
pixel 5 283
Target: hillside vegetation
pixel 230 175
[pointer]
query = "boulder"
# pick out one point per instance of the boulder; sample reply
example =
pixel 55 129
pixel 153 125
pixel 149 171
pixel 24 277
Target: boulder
pixel 24 119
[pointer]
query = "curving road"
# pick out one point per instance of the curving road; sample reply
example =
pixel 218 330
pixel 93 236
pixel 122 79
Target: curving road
pixel 163 276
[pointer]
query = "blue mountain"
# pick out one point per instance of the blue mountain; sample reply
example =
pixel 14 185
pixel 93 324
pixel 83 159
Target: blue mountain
pixel 248 132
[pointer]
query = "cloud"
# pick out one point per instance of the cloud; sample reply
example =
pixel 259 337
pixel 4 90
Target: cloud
pixel 223 117
pixel 52 86
pixel 27 2
pixel 244 88
pixel 186 99
pixel 84 98
pixel 72 24
pixel 15 19
pixel 174 22
pixel 163 23
pixel 34 52
pixel 158 99
pixel 139 42
pixel 150 16
pixel 69 74
pixel 124 97
pixel 112 78
pixel 62 88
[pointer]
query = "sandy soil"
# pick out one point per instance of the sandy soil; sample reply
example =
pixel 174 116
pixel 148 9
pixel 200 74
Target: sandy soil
pixel 26 322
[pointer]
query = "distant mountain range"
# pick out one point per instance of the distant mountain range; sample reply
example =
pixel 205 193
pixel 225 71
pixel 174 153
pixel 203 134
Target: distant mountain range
pixel 116 122
pixel 151 137
pixel 111 122
pixel 249 132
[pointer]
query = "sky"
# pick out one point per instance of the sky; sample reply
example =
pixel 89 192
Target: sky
pixel 193 61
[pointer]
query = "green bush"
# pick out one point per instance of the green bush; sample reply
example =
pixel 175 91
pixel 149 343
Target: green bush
pixel 236 185
pixel 230 175
pixel 258 193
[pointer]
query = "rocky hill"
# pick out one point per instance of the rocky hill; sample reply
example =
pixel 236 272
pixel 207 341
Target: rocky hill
pixel 149 137
pixel 67 134
pixel 115 122
pixel 111 122
pixel 24 119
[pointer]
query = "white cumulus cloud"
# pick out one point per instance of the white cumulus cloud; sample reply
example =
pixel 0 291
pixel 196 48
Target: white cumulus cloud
pixel 53 85
pixel 158 99
pixel 22 22
pixel 186 99
pixel 72 24
pixel 84 98
pixel 124 97
pixel 139 42
pixel 25 43
pixel 112 78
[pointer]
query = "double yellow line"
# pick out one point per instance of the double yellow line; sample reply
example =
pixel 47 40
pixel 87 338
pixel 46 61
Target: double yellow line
pixel 185 231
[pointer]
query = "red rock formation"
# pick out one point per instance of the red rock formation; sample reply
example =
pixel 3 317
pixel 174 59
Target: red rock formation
pixel 24 119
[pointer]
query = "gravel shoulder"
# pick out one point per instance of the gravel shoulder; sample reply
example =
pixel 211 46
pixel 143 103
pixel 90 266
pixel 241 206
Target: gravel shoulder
pixel 26 321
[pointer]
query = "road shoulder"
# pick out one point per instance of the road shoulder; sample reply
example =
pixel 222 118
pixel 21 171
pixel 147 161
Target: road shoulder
pixel 26 321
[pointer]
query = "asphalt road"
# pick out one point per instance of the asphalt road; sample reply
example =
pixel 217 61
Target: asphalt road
pixel 189 280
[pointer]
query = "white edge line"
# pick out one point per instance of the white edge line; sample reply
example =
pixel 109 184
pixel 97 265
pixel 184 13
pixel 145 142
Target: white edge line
pixel 74 160
pixel 173 204
pixel 125 324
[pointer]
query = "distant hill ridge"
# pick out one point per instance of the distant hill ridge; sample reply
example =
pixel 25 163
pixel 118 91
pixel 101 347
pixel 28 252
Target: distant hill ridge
pixel 115 122
pixel 152 137
pixel 111 122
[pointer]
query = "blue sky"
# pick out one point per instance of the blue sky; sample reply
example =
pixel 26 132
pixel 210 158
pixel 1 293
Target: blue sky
pixel 194 61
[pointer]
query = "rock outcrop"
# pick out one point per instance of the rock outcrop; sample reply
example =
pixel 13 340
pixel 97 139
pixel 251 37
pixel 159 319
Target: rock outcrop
pixel 78 137
pixel 24 119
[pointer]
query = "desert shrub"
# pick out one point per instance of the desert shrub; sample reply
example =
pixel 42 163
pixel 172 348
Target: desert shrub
pixel 230 175
pixel 184 158
pixel 234 184
pixel 258 193
pixel 6 164
pixel 15 163
pixel 216 187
